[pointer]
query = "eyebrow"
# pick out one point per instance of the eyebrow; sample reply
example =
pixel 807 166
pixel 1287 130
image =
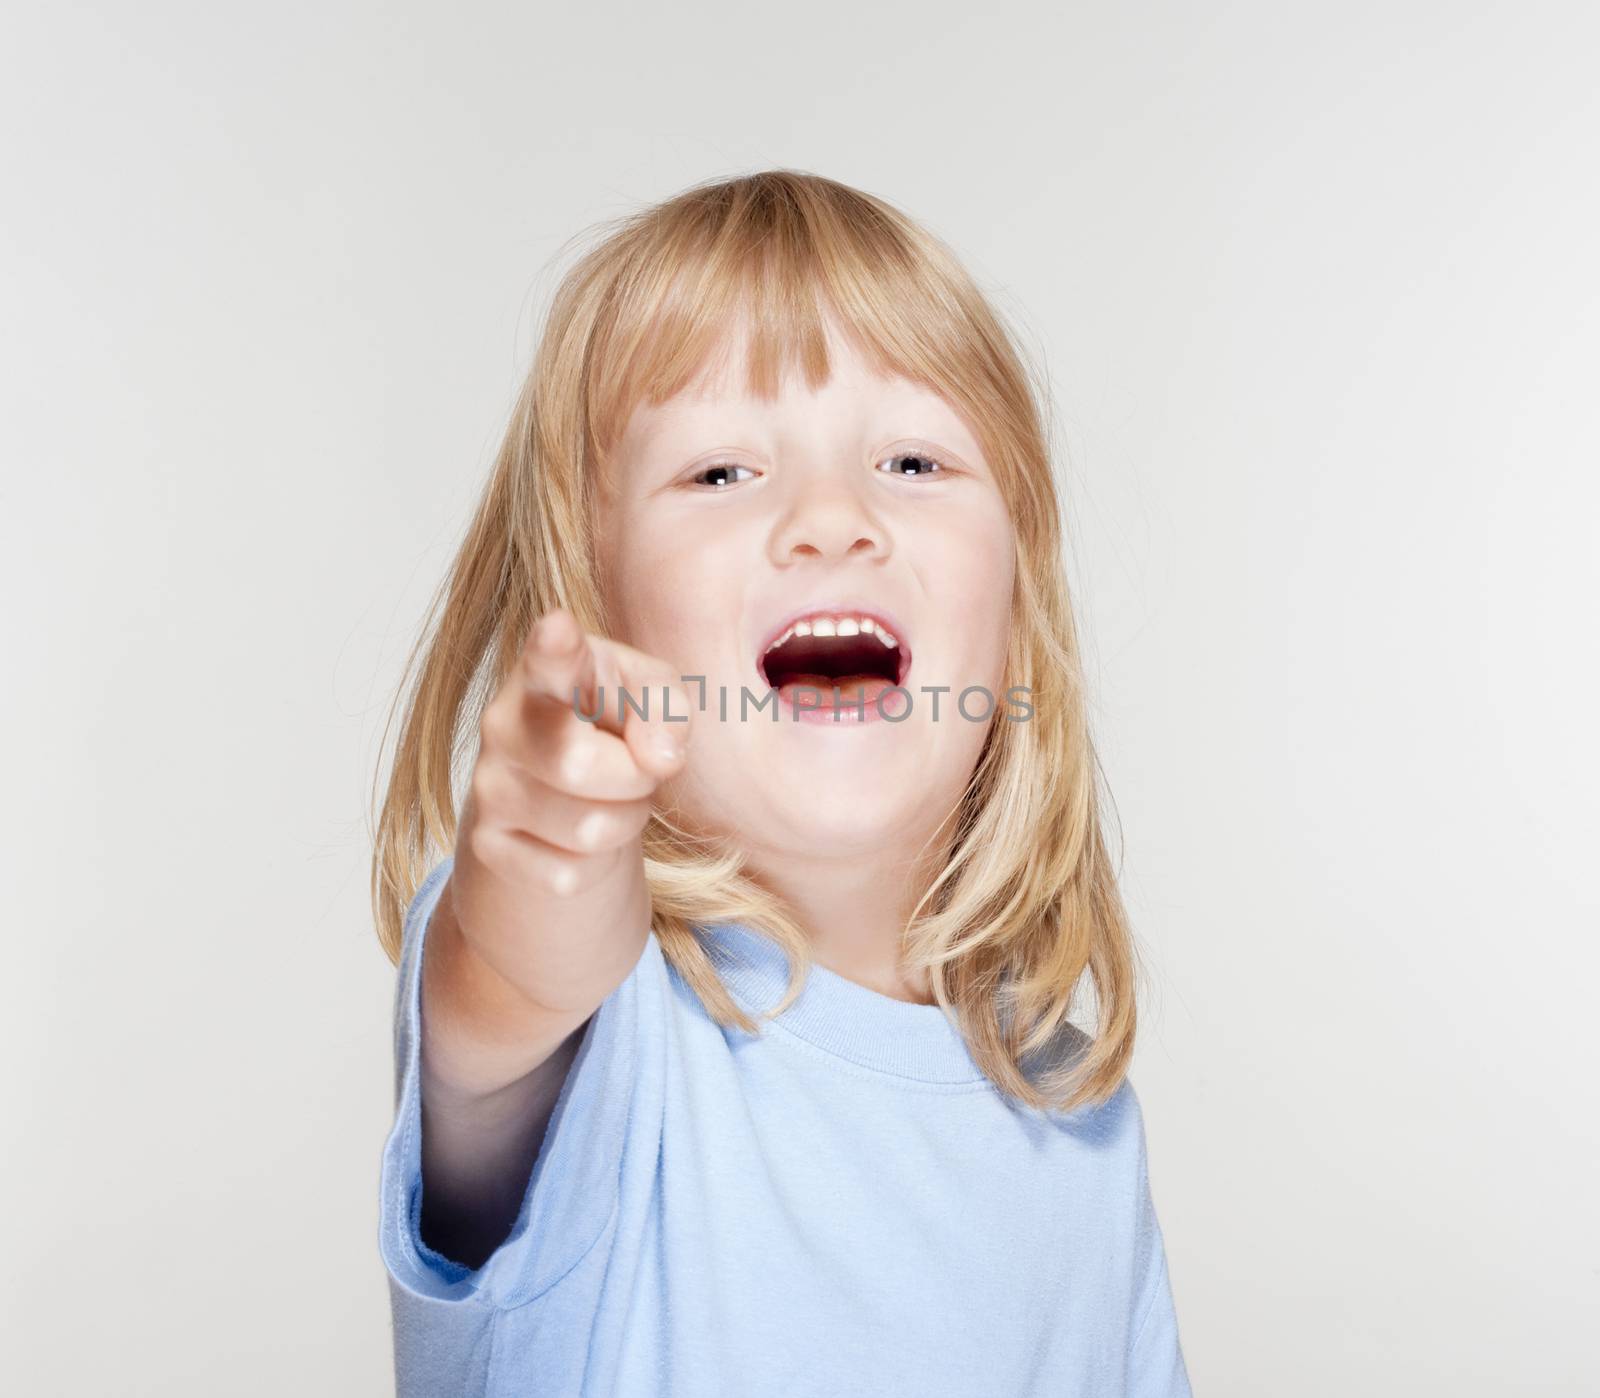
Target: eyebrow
pixel 684 425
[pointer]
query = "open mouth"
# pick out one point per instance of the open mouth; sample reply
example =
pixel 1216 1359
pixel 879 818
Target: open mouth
pixel 854 653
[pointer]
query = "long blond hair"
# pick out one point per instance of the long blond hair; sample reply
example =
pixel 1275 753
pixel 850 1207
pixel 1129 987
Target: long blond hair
pixel 1027 901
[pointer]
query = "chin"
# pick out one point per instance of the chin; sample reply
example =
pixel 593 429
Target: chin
pixel 820 831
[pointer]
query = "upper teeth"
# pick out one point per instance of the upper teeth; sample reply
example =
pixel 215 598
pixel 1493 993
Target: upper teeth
pixel 837 626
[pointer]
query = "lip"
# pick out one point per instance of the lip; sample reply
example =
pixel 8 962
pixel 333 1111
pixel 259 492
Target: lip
pixel 838 607
pixel 850 713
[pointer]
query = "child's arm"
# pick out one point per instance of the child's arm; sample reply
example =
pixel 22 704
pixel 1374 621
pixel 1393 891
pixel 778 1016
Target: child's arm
pixel 544 914
pixel 1156 1366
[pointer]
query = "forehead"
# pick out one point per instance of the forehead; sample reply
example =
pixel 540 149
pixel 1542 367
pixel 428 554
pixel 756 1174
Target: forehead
pixel 719 396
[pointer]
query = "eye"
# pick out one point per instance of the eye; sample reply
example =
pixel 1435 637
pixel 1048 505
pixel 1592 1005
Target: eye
pixel 922 463
pixel 717 469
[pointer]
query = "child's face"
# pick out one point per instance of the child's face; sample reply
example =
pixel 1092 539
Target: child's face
pixel 823 503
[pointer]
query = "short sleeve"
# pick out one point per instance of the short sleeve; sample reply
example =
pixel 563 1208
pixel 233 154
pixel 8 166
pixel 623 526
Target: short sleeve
pixel 1156 1367
pixel 571 1193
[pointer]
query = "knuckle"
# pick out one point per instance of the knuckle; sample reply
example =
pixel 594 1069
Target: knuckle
pixel 531 660
pixel 594 829
pixel 497 723
pixel 492 786
pixel 576 761
pixel 556 875
pixel 485 844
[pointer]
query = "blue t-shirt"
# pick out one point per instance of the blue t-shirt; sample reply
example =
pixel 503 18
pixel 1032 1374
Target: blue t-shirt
pixel 842 1204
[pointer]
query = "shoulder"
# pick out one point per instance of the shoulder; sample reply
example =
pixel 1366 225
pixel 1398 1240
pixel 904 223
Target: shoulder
pixel 1117 1120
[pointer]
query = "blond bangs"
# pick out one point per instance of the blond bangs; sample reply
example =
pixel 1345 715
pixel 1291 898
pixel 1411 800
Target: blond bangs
pixel 689 275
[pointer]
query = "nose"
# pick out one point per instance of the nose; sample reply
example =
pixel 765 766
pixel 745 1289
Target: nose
pixel 828 519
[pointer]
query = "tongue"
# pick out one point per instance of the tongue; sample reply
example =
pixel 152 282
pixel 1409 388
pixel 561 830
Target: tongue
pixel 816 691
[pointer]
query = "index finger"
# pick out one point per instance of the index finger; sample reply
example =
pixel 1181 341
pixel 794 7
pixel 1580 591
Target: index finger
pixel 613 686
pixel 559 662
pixel 649 702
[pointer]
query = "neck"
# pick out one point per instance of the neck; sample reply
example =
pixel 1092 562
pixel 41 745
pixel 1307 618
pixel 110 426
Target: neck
pixel 854 909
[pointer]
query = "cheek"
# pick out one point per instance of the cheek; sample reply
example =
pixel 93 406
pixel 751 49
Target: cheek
pixel 973 573
pixel 662 586
pixel 983 575
pixel 634 566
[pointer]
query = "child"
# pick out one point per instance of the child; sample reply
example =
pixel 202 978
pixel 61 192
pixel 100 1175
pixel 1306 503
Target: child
pixel 739 1063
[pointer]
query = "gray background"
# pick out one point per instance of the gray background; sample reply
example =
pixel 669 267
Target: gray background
pixel 1317 289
